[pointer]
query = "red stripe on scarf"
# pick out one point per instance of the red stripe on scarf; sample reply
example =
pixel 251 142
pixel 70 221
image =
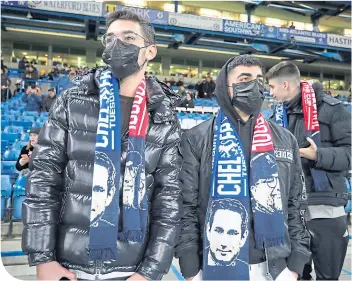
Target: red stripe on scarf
pixel 309 105
pixel 139 114
pixel 262 141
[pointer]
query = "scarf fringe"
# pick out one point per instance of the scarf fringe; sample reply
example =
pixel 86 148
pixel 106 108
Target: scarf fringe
pixel 103 254
pixel 265 242
pixel 131 236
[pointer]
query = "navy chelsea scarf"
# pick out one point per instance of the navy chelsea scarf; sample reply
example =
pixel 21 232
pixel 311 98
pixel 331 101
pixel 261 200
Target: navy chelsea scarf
pixel 236 193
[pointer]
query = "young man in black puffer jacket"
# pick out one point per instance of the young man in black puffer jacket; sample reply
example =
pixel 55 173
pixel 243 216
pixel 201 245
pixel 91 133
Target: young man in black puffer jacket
pixel 325 161
pixel 224 208
pixel 61 215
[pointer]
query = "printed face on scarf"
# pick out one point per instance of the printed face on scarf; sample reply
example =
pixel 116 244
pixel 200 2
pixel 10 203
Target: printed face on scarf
pixel 100 190
pixel 266 191
pixel 227 233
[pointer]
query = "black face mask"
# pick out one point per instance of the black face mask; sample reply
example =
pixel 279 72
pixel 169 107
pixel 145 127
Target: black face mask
pixel 122 58
pixel 248 96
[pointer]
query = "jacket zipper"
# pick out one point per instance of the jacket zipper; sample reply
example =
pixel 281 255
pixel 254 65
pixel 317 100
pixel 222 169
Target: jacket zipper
pixel 267 263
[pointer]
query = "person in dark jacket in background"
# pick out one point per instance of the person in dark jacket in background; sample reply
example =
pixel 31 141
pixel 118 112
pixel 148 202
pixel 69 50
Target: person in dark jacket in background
pixel 32 98
pixel 114 125
pixel 26 151
pixel 49 100
pixel 5 86
pixel 246 210
pixel 324 137
pixel 22 64
pixel 181 92
pixel 207 88
pixel 188 101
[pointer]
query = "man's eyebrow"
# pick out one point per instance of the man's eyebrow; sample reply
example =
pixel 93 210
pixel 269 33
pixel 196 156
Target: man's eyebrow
pixel 260 75
pixel 245 74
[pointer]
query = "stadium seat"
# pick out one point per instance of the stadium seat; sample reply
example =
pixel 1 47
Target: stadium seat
pixel 11 138
pixel 44 114
pixel 9 168
pixel 25 124
pixel 38 124
pixel 11 155
pixel 18 145
pixel 5 124
pixel 14 130
pixel 6 185
pixel 25 137
pixel 8 117
pixel 4 145
pixel 31 113
pixel 27 119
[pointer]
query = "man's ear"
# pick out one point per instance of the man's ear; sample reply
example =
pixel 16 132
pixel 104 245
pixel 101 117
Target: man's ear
pixel 244 238
pixel 151 52
pixel 208 231
pixel 286 85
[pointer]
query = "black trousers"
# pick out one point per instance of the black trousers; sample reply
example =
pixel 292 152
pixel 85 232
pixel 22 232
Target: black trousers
pixel 329 241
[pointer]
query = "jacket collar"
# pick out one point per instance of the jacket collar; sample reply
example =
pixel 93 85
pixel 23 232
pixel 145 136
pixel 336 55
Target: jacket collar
pixel 161 99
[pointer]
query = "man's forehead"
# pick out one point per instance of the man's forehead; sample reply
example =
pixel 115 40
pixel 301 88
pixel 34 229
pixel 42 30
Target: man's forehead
pixel 123 26
pixel 253 70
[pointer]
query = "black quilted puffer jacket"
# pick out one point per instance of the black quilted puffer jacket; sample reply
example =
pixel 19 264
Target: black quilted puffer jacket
pixel 56 212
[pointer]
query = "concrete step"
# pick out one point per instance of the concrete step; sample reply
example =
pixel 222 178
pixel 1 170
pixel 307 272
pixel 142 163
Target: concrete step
pixel 17 228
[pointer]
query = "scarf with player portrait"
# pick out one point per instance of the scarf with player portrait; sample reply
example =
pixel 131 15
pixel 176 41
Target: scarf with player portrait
pixel 311 125
pixel 105 208
pixel 236 193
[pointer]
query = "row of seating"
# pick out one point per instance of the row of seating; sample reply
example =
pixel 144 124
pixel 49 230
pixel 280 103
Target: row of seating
pixel 12 197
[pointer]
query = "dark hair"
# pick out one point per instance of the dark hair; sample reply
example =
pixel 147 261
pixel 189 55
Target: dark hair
pixel 318 87
pixel 283 69
pixel 232 205
pixel 147 28
pixel 245 60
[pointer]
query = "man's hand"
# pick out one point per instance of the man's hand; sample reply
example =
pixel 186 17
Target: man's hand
pixel 310 152
pixel 136 277
pixel 190 278
pixel 294 274
pixel 53 271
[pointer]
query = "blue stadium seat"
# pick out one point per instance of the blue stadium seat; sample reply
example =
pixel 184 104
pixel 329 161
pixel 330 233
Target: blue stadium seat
pixel 6 185
pixel 18 145
pixel 27 118
pixel 5 124
pixel 44 114
pixel 11 138
pixel 25 137
pixel 17 207
pixel 14 130
pixel 8 117
pixel 11 155
pixel 6 189
pixel 25 124
pixel 38 124
pixel 9 168
pixel 31 113
pixel 4 145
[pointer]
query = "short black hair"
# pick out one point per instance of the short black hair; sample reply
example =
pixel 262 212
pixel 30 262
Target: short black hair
pixel 232 205
pixel 147 28
pixel 245 60
pixel 283 69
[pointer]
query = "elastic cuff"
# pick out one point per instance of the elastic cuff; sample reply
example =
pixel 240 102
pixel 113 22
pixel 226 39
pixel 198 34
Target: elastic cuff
pixel 296 262
pixel 189 263
pixel 35 259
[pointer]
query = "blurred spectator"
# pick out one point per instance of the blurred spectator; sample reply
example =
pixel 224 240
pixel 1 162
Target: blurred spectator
pixel 208 88
pixel 18 88
pixel 31 73
pixel 5 86
pixel 26 151
pixel 168 84
pixel 22 64
pixel 199 89
pixel 188 101
pixel 172 81
pixel 180 82
pixel 165 81
pixel 292 26
pixel 316 28
pixel 349 98
pixel 181 91
pixel 33 61
pixel 49 100
pixel 2 63
pixel 72 74
pixel 32 98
